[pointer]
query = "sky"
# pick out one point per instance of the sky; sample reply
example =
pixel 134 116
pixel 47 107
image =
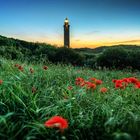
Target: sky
pixel 93 23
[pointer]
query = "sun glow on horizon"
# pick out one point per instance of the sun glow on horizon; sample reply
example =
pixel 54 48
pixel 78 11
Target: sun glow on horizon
pixel 81 39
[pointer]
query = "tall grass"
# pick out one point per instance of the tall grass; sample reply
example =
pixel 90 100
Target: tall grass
pixel 91 114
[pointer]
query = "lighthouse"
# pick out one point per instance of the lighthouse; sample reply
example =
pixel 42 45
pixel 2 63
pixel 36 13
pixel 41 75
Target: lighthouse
pixel 66 33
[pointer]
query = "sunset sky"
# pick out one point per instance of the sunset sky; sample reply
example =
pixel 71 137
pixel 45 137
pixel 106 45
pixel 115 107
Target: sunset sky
pixel 93 22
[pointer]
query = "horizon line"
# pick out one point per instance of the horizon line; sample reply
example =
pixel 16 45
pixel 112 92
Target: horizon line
pixel 107 44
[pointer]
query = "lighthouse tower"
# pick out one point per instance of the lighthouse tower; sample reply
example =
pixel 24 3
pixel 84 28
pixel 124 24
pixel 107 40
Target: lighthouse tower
pixel 66 33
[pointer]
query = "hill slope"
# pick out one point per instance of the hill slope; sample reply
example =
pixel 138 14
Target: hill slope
pixel 102 48
pixel 4 41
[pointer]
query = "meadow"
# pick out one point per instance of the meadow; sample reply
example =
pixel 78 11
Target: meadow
pixel 30 94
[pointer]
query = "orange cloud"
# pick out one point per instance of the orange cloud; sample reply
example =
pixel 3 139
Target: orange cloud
pixel 128 41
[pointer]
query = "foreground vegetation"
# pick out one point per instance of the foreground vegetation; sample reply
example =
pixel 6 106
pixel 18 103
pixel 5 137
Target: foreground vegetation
pixel 32 94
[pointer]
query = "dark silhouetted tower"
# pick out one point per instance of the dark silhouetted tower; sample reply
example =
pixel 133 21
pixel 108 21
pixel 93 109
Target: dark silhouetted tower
pixel 66 33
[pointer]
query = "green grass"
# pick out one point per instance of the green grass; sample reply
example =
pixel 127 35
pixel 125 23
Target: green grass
pixel 91 114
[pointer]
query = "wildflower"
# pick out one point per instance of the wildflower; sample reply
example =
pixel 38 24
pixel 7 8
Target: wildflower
pixel 33 89
pixel 57 122
pixel 90 85
pixel 31 70
pixel 137 85
pixel 98 82
pixel 45 67
pixel 70 88
pixel 103 90
pixel 114 80
pixel 1 82
pixel 16 65
pixel 133 80
pixel 126 80
pixel 80 81
pixel 120 84
pixel 92 79
pixel 20 68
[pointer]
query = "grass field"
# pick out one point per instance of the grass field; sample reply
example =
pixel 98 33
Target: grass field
pixel 32 94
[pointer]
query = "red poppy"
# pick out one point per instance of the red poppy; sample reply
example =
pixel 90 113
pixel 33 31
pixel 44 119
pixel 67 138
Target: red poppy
pixel 45 67
pixel 69 87
pixel 57 122
pixel 33 89
pixel 90 85
pixel 120 84
pixel 126 80
pixel 20 68
pixel 137 85
pixel 103 90
pixel 31 70
pixel 80 81
pixel 114 80
pixel 98 82
pixel 16 65
pixel 133 80
pixel 82 84
pixel 1 82
pixel 92 79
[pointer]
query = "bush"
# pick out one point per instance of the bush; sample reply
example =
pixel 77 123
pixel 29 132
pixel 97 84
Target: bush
pixel 46 52
pixel 10 52
pixel 133 59
pixel 66 55
pixel 112 58
pixel 90 60
pixel 119 58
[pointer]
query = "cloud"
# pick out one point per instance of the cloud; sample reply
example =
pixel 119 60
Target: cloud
pixel 127 41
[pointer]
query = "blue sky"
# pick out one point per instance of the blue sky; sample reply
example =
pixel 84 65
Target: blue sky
pixel 93 22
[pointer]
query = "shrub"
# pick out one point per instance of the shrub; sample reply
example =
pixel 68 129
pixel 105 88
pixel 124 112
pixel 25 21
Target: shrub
pixel 112 58
pixel 66 55
pixel 90 60
pixel 133 59
pixel 10 52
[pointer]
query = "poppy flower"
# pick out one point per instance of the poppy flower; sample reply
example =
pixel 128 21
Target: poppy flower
pixel 137 85
pixel 69 87
pixel 120 84
pixel 57 122
pixel 126 80
pixel 103 90
pixel 20 68
pixel 16 65
pixel 90 85
pixel 80 81
pixel 45 67
pixel 31 70
pixel 133 80
pixel 114 80
pixel 1 82
pixel 98 82
pixel 33 89
pixel 92 79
